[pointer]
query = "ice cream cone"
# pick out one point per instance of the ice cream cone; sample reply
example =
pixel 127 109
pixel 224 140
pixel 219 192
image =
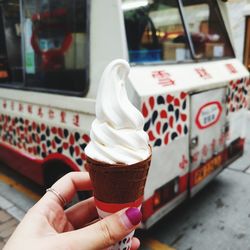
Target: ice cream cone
pixel 117 137
pixel 118 186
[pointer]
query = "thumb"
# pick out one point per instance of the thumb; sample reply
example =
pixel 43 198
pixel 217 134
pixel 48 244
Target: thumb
pixel 105 232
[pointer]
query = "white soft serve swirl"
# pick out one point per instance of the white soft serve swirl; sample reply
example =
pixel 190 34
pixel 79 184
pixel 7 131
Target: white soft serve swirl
pixel 117 134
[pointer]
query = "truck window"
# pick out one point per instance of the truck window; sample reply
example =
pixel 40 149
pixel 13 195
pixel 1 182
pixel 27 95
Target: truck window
pixel 207 29
pixel 156 31
pixel 10 43
pixel 152 29
pixel 45 45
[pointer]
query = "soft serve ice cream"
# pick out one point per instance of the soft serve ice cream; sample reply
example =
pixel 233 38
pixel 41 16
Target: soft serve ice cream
pixel 117 134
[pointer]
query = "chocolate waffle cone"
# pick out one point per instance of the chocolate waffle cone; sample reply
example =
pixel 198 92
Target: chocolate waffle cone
pixel 118 186
pixel 118 183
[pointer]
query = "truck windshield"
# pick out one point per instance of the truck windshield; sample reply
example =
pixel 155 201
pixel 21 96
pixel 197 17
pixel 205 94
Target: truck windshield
pixel 162 30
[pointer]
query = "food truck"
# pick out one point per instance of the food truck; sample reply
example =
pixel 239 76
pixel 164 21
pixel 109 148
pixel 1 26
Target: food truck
pixel 184 78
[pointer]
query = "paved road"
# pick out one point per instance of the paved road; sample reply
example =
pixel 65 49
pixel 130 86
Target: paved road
pixel 17 195
pixel 7 226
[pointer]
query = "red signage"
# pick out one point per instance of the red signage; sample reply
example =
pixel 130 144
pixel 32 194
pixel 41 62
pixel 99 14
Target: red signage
pixel 203 73
pixel 231 68
pixel 208 115
pixel 163 78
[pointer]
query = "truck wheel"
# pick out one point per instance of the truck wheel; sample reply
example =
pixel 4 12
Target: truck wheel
pixel 54 171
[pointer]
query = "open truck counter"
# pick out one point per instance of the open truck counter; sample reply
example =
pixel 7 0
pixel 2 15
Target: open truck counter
pixel 184 79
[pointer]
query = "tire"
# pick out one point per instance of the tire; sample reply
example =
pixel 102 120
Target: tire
pixel 53 171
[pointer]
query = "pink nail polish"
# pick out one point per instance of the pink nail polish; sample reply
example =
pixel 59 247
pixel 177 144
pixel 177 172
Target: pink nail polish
pixel 131 217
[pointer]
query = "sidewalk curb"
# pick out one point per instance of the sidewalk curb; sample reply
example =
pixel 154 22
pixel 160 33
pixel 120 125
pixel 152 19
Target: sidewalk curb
pixel 11 208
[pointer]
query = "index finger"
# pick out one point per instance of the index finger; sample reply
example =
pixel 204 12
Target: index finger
pixel 68 185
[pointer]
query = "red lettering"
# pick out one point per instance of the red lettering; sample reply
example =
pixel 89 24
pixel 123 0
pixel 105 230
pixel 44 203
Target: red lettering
pixel 40 112
pixel 164 78
pixel 4 104
pixel 29 108
pixel 20 107
pixel 51 114
pixel 203 73
pixel 231 68
pixel 76 120
pixel 63 116
pixel 12 105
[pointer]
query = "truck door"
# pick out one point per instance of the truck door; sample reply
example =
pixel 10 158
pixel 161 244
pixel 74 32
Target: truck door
pixel 207 141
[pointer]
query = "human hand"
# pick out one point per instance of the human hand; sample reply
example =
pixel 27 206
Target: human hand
pixel 48 226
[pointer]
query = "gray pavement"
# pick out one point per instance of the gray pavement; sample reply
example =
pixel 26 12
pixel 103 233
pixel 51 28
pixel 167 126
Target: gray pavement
pixel 14 202
pixel 10 213
pixel 7 226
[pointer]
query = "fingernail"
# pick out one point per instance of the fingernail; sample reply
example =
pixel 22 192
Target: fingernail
pixel 131 217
